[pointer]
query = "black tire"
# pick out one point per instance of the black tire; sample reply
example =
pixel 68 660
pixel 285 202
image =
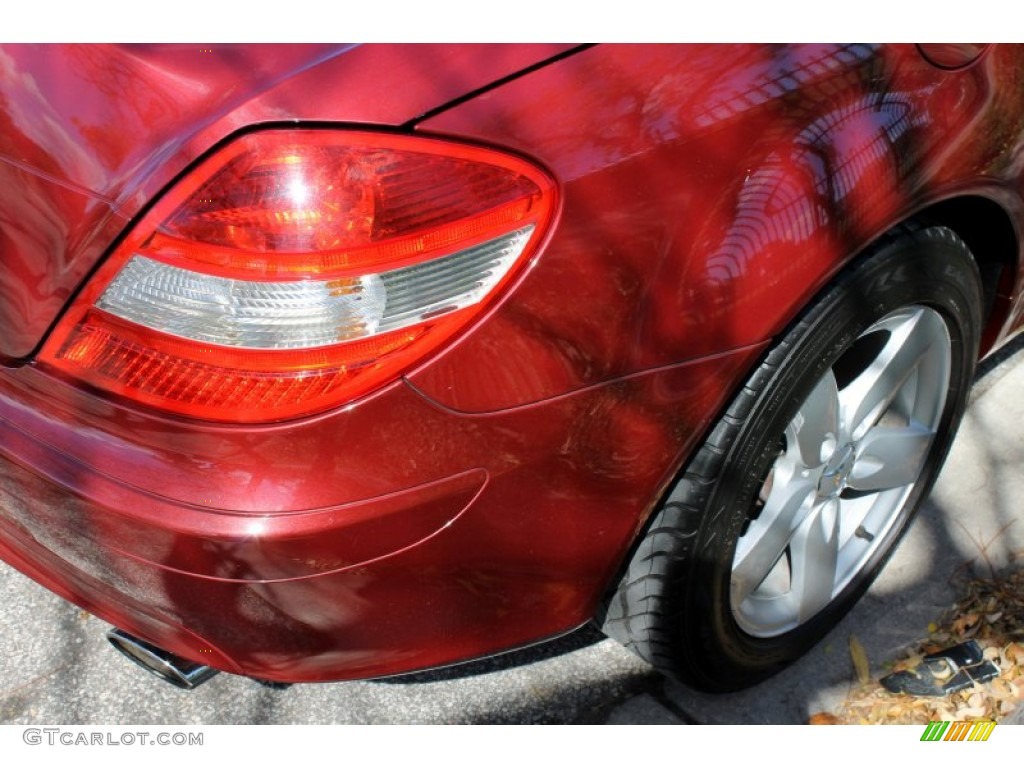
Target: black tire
pixel 692 601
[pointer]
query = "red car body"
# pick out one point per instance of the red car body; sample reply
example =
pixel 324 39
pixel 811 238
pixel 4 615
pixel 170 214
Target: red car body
pixel 488 496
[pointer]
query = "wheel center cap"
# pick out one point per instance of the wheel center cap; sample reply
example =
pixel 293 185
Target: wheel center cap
pixel 837 471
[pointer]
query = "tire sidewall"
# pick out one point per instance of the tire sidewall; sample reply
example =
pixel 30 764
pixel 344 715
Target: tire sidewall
pixel 930 268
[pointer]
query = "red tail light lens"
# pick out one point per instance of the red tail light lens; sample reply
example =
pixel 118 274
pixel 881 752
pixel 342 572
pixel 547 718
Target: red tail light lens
pixel 295 270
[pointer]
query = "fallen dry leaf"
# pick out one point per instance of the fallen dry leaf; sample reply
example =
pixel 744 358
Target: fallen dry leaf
pixel 970 713
pixel 824 718
pixel 860 661
pixel 963 623
pixel 907 664
pixel 991 611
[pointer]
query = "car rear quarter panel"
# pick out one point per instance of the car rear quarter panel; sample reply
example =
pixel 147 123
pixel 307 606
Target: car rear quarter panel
pixel 710 191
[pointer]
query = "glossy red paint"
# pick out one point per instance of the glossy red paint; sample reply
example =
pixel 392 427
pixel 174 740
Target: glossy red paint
pixel 486 500
pixel 257 562
pixel 706 201
pixel 89 134
pixel 952 55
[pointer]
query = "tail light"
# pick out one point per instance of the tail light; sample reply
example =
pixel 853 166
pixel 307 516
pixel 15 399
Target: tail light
pixel 296 270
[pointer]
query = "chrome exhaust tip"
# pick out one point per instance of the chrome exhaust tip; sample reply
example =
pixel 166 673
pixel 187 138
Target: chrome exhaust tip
pixel 175 670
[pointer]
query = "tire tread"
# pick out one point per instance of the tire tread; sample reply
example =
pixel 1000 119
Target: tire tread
pixel 644 622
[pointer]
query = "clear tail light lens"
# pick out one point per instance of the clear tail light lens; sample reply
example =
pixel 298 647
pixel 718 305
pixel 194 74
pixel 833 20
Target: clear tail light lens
pixel 295 270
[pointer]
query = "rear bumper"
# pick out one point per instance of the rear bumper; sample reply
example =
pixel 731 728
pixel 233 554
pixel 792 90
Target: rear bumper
pixel 486 532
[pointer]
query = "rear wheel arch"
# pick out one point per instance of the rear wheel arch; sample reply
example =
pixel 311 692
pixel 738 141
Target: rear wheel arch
pixel 678 531
pixel 987 228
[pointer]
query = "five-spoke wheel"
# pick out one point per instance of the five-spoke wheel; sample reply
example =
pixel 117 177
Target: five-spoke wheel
pixel 849 458
pixel 805 483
